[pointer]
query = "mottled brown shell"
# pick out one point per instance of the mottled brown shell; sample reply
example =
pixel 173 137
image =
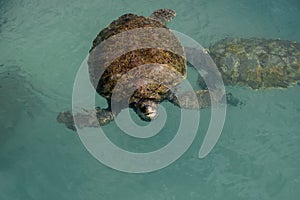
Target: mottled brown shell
pixel 257 62
pixel 136 51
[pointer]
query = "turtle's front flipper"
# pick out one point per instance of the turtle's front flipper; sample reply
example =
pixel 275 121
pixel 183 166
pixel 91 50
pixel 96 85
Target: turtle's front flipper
pixel 90 118
pixel 191 99
pixel 66 118
pixel 201 99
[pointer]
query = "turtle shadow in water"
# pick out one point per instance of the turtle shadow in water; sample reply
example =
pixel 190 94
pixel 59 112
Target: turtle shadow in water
pixel 18 99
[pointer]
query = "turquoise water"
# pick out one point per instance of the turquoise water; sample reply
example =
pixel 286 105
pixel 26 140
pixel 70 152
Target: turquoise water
pixel 42 45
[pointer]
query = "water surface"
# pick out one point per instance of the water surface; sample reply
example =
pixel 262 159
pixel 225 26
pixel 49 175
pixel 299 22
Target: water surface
pixel 42 45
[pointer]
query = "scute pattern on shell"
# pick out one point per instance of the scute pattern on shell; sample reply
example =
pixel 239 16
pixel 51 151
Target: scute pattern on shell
pixel 131 61
pixel 257 62
pixel 124 23
pixel 165 65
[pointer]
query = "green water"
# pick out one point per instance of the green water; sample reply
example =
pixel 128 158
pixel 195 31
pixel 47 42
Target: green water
pixel 42 45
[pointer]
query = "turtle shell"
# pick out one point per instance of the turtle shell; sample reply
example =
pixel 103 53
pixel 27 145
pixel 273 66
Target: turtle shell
pixel 257 62
pixel 136 58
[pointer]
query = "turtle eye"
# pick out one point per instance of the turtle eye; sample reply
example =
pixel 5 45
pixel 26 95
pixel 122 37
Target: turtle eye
pixel 144 109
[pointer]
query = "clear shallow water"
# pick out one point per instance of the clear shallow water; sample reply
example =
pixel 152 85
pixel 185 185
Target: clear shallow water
pixel 42 45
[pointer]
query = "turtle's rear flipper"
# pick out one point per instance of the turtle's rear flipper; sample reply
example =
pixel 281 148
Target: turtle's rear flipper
pixel 232 100
pixel 90 118
pixel 163 15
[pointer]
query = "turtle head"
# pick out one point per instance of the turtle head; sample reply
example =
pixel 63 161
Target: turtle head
pixel 147 110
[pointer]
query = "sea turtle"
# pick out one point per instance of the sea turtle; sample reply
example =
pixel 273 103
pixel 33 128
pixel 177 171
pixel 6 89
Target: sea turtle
pixel 257 62
pixel 137 61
